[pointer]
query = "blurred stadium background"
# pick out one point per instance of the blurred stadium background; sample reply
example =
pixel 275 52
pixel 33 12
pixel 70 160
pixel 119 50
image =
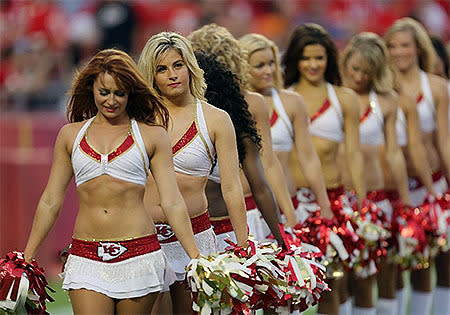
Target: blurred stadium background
pixel 42 42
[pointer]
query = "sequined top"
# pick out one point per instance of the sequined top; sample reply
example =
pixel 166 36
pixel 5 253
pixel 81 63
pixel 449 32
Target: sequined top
pixel 193 153
pixel 128 162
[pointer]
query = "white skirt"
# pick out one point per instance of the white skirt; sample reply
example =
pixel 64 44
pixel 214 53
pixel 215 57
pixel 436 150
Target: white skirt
pixel 386 207
pixel 221 244
pixel 130 278
pixel 257 226
pixel 179 259
pixel 418 195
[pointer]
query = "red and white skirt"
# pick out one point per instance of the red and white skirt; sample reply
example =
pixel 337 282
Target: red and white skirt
pixel 223 230
pixel 118 269
pixel 177 256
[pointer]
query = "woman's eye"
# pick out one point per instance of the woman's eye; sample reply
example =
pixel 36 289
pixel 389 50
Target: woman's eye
pixel 178 65
pixel 160 69
pixel 120 93
pixel 103 93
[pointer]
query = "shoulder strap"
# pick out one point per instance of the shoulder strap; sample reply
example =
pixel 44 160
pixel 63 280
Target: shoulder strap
pixel 81 133
pixel 279 107
pixel 140 143
pixel 203 128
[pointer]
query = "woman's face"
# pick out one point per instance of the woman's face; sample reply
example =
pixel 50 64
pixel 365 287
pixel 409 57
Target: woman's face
pixel 403 50
pixel 262 69
pixel 357 73
pixel 313 63
pixel 111 101
pixel 172 75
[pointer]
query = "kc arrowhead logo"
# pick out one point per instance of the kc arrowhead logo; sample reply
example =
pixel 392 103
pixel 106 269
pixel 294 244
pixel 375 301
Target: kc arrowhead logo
pixel 110 251
pixel 164 232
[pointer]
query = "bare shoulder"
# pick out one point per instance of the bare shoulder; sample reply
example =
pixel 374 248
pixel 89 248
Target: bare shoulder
pixel 256 103
pixel 292 100
pixel 68 133
pixel 347 98
pixel 388 101
pixel 153 136
pixel 438 85
pixel 152 132
pixel 214 115
pixel 344 94
pixel 437 81
pixel 290 96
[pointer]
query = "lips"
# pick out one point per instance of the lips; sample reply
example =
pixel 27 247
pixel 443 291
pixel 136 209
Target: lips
pixel 174 84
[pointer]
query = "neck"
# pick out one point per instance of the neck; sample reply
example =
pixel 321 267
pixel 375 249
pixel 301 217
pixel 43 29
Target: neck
pixel 409 74
pixel 265 92
pixel 100 119
pixel 180 102
pixel 305 85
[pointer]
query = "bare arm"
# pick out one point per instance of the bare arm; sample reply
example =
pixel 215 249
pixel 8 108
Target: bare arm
pixel 416 149
pixel 306 154
pixel 227 156
pixel 440 93
pixel 271 164
pixel 172 203
pixel 261 192
pixel 51 201
pixel 394 154
pixel 350 108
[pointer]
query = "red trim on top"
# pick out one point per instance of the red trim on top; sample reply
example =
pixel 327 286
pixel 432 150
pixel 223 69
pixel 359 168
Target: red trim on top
pixel 126 144
pixel 321 110
pixel 366 114
pixel 88 150
pixel 186 138
pixel 129 141
pixel 419 98
pixel 274 118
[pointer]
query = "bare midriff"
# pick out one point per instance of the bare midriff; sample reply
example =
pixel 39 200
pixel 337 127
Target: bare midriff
pixel 111 209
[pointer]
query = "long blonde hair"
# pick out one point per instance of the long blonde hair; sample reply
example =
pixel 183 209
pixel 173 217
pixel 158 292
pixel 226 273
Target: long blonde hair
pixel 255 42
pixel 374 51
pixel 423 43
pixel 157 46
pixel 218 41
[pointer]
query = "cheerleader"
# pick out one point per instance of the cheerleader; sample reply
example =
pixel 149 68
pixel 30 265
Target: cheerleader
pixel 412 56
pixel 217 76
pixel 311 69
pixel 198 132
pixel 218 41
pixel 114 139
pixel 288 119
pixel 365 70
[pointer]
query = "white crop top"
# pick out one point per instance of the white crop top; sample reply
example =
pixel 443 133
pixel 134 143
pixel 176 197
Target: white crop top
pixel 371 123
pixel 400 128
pixel 327 122
pixel 128 162
pixel 425 105
pixel 281 129
pixel 193 154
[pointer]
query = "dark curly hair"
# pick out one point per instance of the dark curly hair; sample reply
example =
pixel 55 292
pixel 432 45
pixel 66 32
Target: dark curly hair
pixel 223 91
pixel 310 34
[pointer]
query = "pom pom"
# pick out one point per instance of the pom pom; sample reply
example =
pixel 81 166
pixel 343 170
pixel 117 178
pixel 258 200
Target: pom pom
pixel 22 285
pixel 262 275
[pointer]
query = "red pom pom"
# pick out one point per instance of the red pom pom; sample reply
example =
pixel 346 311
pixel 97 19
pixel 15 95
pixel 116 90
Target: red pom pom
pixel 13 270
